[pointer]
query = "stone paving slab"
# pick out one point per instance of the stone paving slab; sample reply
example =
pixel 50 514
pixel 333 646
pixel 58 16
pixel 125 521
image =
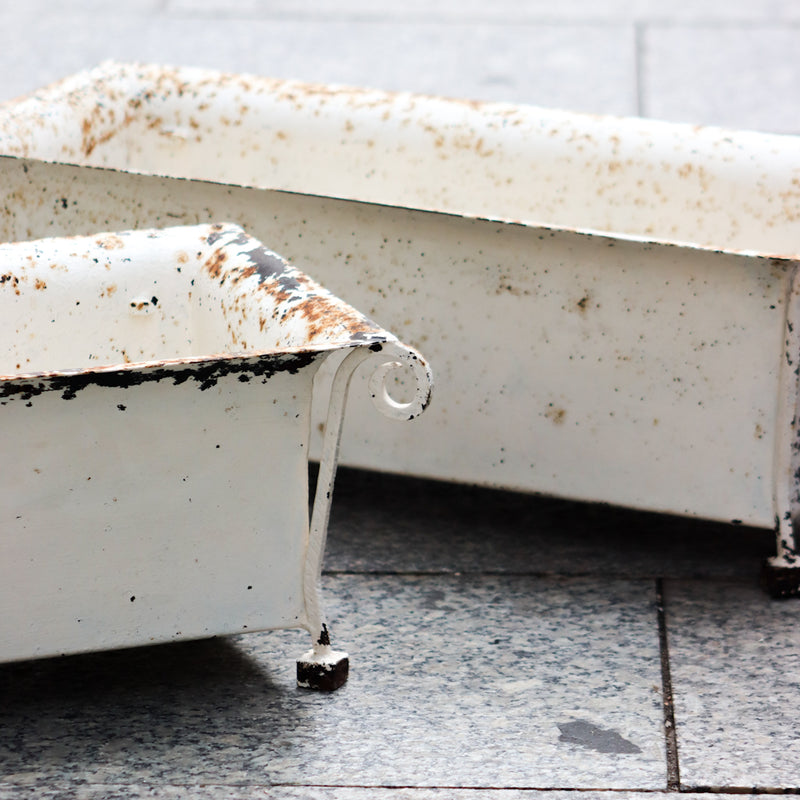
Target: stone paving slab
pixel 579 67
pixel 499 12
pixel 742 77
pixel 393 523
pixel 471 681
pixel 734 64
pixel 735 663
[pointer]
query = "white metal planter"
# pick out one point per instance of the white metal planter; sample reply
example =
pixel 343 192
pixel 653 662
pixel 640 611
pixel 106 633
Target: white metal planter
pixel 155 396
pixel 611 304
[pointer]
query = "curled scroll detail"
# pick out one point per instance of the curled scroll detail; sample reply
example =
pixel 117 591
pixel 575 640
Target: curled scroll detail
pixel 403 358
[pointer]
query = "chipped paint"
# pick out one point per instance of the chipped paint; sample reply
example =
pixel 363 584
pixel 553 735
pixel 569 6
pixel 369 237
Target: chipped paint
pixel 168 429
pixel 617 269
pixel 609 367
pixel 233 280
pixel 669 182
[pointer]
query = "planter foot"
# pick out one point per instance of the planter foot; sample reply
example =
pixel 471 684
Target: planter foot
pixel 779 579
pixel 322 669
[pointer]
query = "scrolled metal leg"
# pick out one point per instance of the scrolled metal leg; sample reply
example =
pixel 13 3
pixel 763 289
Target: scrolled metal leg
pixel 323 668
pixel 780 575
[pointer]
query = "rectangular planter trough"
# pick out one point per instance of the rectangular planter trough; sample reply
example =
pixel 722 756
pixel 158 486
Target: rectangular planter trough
pixel 611 304
pixel 155 396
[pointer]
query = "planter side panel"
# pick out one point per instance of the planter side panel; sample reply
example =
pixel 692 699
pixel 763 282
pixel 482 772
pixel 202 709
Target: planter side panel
pixel 152 513
pixel 580 366
pixel 583 367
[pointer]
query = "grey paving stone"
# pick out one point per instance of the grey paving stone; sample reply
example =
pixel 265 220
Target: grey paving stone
pixel 455 681
pixel 98 8
pixel 42 41
pixel 38 48
pixel 580 67
pixel 400 524
pixel 717 11
pixel 503 11
pixel 740 77
pixel 734 655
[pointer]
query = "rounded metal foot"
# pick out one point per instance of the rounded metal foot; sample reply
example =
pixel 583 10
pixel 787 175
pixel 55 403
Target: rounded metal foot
pixel 780 581
pixel 322 669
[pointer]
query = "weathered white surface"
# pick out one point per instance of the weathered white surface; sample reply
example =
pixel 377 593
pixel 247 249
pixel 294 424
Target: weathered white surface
pixel 678 183
pixel 155 406
pixel 641 374
pixel 605 365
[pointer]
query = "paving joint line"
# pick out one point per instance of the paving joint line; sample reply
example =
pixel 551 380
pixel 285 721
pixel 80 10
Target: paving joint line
pixel 638 67
pixel 670 734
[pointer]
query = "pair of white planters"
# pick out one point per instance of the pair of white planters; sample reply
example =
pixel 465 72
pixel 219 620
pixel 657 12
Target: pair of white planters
pixel 611 305
pixel 155 404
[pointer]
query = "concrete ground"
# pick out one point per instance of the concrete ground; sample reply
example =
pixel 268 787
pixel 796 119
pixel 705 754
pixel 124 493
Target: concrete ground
pixel 503 646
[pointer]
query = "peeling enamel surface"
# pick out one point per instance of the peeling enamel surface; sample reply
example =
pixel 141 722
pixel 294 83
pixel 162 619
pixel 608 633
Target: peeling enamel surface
pixel 609 303
pixel 678 183
pixel 583 366
pixel 71 307
pixel 155 407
